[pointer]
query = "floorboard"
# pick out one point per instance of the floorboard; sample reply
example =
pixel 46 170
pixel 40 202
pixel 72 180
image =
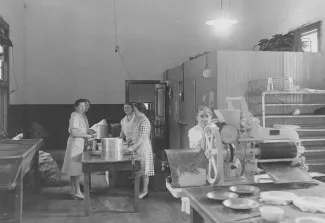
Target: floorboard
pixel 54 204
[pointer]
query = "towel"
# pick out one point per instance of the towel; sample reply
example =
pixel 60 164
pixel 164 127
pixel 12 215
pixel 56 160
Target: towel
pixel 95 127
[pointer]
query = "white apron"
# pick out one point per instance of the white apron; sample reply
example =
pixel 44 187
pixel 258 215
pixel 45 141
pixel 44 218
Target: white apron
pixel 128 128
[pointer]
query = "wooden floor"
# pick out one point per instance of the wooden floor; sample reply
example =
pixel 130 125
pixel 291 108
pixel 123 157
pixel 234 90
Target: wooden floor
pixel 54 204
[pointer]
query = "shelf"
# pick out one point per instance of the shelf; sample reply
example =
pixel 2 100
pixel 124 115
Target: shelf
pixel 284 105
pixel 310 130
pixel 287 92
pixel 295 116
pixel 311 139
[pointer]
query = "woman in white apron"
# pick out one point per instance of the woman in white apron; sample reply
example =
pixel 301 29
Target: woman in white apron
pixel 127 123
pixel 78 127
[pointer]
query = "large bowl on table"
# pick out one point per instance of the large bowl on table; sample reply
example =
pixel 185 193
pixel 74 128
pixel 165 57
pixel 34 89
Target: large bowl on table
pixel 112 149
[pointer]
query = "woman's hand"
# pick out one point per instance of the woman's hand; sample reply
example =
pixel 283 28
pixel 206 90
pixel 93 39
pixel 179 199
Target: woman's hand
pixel 91 132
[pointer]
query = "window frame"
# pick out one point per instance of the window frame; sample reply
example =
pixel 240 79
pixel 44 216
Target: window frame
pixel 299 31
pixel 4 83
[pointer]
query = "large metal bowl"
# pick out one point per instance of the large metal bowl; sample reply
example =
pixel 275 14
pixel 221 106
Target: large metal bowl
pixel 244 189
pixel 221 196
pixel 240 203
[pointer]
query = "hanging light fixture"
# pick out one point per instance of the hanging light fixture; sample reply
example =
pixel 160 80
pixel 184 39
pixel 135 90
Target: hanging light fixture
pixel 223 21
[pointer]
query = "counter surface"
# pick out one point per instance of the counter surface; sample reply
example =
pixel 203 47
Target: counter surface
pixel 206 210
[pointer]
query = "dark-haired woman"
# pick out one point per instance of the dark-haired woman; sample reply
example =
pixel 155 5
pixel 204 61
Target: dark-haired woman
pixel 142 145
pixel 78 127
pixel 127 123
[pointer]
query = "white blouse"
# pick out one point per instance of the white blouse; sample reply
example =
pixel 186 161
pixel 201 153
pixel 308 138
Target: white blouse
pixel 195 136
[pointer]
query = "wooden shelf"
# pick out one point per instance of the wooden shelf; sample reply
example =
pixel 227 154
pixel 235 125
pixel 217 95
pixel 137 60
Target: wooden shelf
pixel 285 105
pixel 294 116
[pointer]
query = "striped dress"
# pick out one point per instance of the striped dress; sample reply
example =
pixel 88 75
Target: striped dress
pixel 143 128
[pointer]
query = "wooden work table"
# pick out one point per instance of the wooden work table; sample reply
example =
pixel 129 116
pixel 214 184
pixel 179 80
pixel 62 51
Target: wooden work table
pixel 95 163
pixel 206 210
pixel 17 157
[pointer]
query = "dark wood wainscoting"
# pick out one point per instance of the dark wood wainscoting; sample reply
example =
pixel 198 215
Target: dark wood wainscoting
pixel 55 120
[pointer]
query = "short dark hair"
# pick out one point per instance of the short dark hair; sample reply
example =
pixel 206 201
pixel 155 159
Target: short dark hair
pixel 87 100
pixel 140 106
pixel 129 104
pixel 77 103
pixel 204 108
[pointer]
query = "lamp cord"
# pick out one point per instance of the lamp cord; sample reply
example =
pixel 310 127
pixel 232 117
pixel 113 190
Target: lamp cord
pixel 117 47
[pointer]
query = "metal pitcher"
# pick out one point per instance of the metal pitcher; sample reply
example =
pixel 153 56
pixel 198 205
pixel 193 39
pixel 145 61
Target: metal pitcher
pixel 102 131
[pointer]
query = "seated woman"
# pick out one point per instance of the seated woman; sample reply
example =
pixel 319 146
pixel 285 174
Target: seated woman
pixel 195 134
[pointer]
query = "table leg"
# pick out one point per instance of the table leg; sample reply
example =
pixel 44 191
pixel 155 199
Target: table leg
pixel 36 172
pixel 89 181
pixel 86 194
pixel 19 198
pixel 195 216
pixel 136 191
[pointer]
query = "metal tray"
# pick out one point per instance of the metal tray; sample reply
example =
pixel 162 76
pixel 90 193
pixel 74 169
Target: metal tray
pixel 244 189
pixel 240 203
pixel 221 196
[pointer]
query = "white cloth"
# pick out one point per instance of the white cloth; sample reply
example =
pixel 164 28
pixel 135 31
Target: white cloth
pixel 195 136
pixel 75 146
pixel 95 127
pixel 128 127
pixel 186 205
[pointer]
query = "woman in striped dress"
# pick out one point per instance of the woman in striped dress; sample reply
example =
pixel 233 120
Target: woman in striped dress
pixel 142 145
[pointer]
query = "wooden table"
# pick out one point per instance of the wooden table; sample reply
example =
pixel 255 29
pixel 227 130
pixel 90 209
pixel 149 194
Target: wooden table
pixel 17 157
pixel 95 163
pixel 205 210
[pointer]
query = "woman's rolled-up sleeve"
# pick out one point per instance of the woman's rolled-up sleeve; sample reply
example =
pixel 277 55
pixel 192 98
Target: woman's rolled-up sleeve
pixel 73 123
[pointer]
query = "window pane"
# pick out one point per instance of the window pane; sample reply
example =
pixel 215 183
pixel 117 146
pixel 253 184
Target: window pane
pixel 310 41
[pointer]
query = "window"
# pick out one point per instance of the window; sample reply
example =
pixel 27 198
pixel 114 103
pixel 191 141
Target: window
pixel 309 41
pixel 4 74
pixel 308 38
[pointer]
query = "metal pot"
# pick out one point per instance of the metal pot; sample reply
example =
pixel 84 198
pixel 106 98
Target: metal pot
pixel 112 148
pixel 102 131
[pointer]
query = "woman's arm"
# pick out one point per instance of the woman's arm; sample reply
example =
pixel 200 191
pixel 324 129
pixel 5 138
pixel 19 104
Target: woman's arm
pixel 122 135
pixel 143 132
pixel 76 134
pixel 91 131
pixel 138 142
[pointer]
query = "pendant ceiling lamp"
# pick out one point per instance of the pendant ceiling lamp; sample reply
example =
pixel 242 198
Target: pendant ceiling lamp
pixel 223 20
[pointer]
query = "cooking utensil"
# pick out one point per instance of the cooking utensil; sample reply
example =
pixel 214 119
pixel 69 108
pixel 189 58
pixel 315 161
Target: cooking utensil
pixel 102 131
pixel 112 148
pixel 244 189
pixel 240 203
pixel 221 196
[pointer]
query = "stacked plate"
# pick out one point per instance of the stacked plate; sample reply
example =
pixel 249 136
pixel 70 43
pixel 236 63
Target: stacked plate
pixel 231 200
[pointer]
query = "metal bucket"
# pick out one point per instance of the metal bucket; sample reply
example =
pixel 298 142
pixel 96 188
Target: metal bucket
pixel 112 148
pixel 102 131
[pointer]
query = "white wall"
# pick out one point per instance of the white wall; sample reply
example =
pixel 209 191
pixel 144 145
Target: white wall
pixel 66 50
